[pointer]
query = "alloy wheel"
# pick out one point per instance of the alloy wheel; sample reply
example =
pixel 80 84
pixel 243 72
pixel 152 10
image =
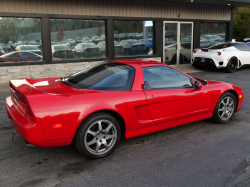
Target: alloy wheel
pixel 100 137
pixel 226 108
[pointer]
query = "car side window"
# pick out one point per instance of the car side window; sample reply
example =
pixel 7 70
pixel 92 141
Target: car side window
pixel 22 55
pixel 163 77
pixel 242 47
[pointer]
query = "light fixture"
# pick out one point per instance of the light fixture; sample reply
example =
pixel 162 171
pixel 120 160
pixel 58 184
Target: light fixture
pixel 192 1
pixel 228 4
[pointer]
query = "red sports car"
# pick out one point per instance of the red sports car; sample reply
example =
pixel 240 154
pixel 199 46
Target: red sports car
pixel 97 107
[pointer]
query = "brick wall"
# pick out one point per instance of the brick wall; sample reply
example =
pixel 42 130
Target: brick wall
pixel 46 70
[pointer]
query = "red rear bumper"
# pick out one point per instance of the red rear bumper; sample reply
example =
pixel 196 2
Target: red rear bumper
pixel 30 129
pixel 27 128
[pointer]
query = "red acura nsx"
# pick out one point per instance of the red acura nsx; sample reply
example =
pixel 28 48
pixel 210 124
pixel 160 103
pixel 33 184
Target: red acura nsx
pixel 97 107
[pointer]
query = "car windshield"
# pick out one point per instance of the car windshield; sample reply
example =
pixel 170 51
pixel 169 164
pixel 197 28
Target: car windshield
pixel 62 47
pixel 88 45
pixel 9 54
pixel 23 48
pixel 104 76
pixel 116 43
pixel 1 49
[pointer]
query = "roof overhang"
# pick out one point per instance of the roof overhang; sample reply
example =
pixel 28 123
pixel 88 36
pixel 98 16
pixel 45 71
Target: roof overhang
pixel 227 3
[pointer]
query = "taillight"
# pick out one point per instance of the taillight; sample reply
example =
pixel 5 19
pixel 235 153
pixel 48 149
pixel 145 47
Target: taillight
pixel 84 50
pixel 217 40
pixel 166 50
pixel 55 53
pixel 219 53
pixel 71 51
pixel 152 45
pixel 194 51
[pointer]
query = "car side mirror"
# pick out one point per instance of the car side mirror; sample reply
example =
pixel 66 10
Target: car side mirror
pixel 197 85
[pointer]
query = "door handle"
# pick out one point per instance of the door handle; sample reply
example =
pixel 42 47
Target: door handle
pixel 152 96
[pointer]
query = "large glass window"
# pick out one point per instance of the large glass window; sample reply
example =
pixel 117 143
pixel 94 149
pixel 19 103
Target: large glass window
pixel 20 37
pixel 133 38
pixel 212 33
pixel 77 39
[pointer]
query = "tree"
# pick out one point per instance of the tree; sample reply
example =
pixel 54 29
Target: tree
pixel 60 33
pixel 99 28
pixel 241 27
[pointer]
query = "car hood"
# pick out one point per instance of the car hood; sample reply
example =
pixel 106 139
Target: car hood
pixel 54 86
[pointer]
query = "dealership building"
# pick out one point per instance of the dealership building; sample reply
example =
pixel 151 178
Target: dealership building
pixel 52 38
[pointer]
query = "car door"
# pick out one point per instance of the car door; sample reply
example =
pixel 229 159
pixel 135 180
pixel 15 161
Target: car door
pixel 172 98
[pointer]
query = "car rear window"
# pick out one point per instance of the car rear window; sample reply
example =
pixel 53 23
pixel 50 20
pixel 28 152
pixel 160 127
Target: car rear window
pixel 63 47
pixel 221 46
pixel 134 41
pixel 88 45
pixel 105 76
pixel 23 48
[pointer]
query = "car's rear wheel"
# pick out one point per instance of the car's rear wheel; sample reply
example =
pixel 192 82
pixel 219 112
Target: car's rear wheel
pixel 232 65
pixel 225 108
pixel 98 136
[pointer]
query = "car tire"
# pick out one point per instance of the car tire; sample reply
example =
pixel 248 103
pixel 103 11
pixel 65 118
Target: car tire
pixel 198 67
pixel 232 65
pixel 225 108
pixel 98 135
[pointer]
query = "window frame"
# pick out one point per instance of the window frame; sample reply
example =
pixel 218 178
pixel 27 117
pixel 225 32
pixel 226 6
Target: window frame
pixel 109 29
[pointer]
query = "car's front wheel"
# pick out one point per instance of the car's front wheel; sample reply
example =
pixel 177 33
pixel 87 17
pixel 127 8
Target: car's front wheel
pixel 98 135
pixel 225 108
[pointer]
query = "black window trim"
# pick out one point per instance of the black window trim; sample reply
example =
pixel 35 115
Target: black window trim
pixel 158 30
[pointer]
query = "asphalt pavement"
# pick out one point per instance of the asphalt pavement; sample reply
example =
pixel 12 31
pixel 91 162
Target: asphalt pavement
pixel 202 154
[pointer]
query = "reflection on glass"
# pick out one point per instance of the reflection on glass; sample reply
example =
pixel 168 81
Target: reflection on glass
pixel 133 38
pixel 20 39
pixel 212 33
pixel 185 43
pixel 170 48
pixel 77 38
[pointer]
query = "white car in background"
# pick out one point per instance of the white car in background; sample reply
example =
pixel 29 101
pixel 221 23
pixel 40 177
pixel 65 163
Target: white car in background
pixel 213 39
pixel 227 55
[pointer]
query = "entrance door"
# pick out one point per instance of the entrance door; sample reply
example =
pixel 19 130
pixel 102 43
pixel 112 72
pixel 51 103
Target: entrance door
pixel 177 43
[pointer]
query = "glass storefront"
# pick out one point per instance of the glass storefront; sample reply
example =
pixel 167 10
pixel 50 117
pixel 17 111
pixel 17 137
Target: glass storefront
pixel 133 38
pixel 20 39
pixel 212 33
pixel 178 47
pixel 77 39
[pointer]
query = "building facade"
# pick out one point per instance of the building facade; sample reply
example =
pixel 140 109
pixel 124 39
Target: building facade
pixel 53 38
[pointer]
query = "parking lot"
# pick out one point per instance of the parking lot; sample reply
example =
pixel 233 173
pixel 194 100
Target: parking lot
pixel 197 154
